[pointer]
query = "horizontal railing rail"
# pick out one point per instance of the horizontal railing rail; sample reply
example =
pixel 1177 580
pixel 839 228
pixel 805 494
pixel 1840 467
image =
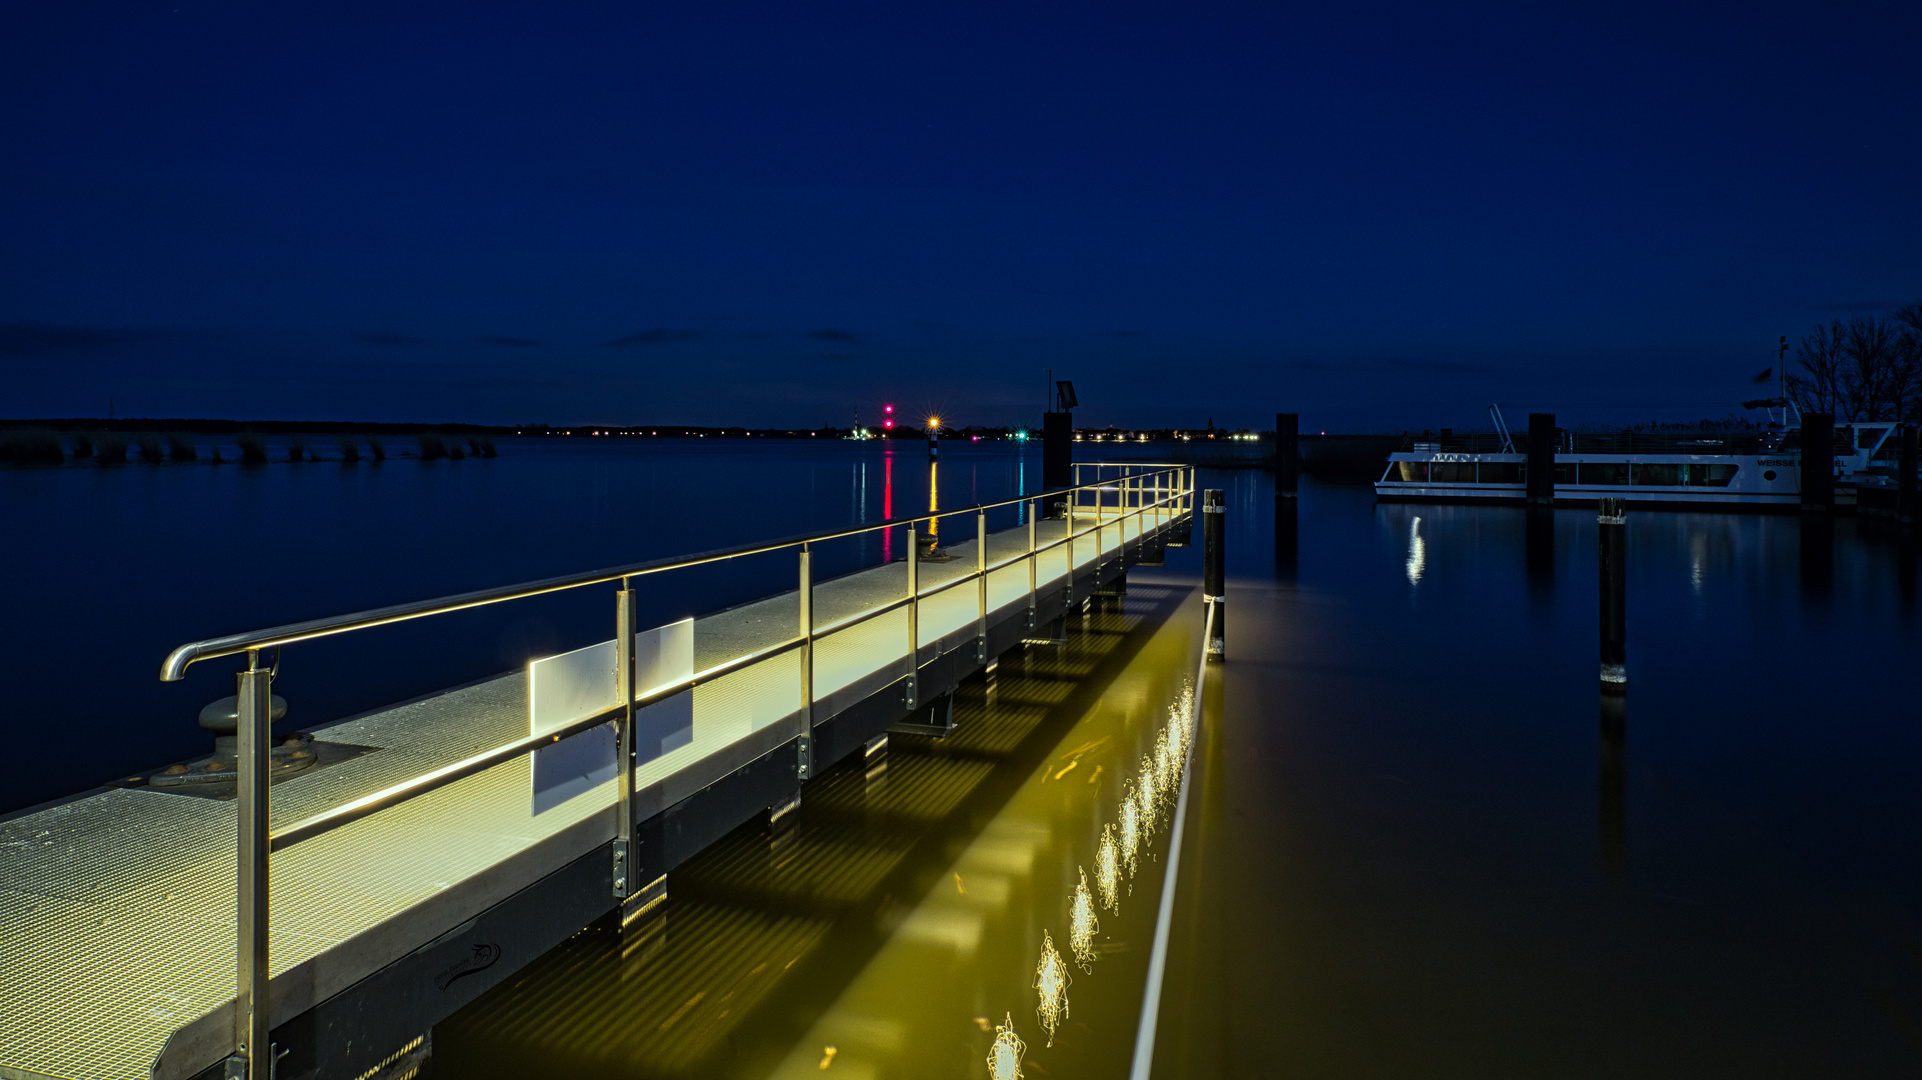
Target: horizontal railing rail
pixel 1137 489
pixel 174 667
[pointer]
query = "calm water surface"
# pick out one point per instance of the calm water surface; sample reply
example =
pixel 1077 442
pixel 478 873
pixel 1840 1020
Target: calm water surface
pixel 1421 844
pixel 105 569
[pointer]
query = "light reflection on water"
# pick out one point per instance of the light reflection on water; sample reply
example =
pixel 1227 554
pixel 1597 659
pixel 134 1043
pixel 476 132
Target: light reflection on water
pixel 989 916
pixel 1464 859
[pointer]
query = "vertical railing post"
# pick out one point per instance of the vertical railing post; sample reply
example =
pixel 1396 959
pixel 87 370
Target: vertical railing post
pixel 981 583
pixel 1068 596
pixel 1101 533
pixel 253 1056
pixel 804 743
pixel 914 617
pixel 1214 578
pixel 1033 576
pixel 624 622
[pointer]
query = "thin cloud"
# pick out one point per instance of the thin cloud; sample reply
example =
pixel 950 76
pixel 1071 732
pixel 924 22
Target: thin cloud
pixel 48 339
pixel 833 334
pixel 659 335
pixel 515 342
pixel 391 339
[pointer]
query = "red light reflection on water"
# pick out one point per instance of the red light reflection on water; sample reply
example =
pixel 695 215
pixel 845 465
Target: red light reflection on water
pixel 887 504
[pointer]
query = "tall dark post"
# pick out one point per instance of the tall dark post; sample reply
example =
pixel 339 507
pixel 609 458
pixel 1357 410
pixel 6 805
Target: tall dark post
pixel 1057 455
pixel 1540 485
pixel 1613 522
pixel 1214 579
pixel 1287 454
pixel 1818 462
pixel 1905 477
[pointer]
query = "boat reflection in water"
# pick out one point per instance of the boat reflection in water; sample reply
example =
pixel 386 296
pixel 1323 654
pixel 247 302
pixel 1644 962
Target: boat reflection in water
pixel 915 920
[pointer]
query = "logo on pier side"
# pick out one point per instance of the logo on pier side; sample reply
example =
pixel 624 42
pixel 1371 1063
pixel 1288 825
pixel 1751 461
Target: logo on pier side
pixel 480 958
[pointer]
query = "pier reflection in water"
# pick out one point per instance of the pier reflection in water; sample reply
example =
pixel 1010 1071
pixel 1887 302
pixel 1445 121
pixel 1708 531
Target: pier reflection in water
pixel 925 912
pixel 1418 844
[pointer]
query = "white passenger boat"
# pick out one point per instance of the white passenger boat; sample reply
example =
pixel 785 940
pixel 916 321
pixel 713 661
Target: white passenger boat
pixel 1757 469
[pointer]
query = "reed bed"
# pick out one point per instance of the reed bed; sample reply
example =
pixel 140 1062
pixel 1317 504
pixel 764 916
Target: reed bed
pixel 31 446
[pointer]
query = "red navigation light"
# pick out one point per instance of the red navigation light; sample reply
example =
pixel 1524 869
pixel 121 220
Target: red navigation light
pixel 888 423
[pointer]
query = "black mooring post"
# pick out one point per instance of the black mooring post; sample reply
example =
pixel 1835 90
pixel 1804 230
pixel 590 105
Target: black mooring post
pixel 1905 478
pixel 1287 454
pixel 1057 457
pixel 1818 462
pixel 1613 522
pixel 1214 584
pixel 1540 483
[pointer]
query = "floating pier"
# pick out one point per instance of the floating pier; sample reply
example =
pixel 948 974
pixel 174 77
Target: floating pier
pixel 327 920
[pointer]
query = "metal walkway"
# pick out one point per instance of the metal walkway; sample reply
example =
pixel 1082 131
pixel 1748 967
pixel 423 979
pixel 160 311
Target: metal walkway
pixel 118 921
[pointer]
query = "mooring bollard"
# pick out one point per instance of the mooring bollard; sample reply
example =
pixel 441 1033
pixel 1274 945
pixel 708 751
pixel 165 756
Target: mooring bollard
pixel 1214 586
pixel 1613 522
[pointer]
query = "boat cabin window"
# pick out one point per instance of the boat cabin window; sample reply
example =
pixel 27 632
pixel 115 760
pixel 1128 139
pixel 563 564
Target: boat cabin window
pixel 1501 472
pixel 1565 473
pixel 1699 475
pixel 1452 472
pixel 1602 472
pixel 1657 475
pixel 1413 470
pixel 1866 437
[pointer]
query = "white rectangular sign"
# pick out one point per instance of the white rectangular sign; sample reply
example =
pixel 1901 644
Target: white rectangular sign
pixel 575 685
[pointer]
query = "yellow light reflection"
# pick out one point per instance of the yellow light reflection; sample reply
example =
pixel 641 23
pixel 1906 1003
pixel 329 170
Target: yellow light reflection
pixel 1107 870
pixel 1130 827
pixel 1004 1056
pixel 1051 982
pixel 1082 925
pixel 1148 796
pixel 1417 553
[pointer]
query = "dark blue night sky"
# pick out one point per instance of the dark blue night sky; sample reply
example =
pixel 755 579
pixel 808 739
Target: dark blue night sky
pixel 772 214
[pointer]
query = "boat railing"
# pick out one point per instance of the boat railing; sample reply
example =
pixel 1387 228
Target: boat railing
pixel 1111 504
pixel 1590 442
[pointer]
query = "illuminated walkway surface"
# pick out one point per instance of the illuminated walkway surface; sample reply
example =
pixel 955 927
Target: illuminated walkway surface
pixel 893 926
pixel 117 910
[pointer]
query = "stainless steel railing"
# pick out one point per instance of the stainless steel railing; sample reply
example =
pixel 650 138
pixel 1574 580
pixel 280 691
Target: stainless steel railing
pixel 1135 491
